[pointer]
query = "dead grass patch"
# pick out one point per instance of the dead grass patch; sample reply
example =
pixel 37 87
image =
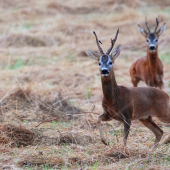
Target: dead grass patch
pixel 71 10
pixel 91 124
pixel 6 4
pixel 4 139
pixel 18 134
pixel 70 160
pixel 24 98
pixel 129 3
pixel 29 13
pixel 21 40
pixel 17 99
pixel 75 138
pixel 157 3
pixel 135 46
pixel 58 107
pixel 38 160
pixel 67 138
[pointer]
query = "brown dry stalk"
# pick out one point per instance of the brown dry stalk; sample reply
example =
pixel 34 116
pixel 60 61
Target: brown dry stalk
pixel 56 119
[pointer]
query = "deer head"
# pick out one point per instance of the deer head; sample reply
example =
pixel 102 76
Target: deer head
pixel 152 38
pixel 105 59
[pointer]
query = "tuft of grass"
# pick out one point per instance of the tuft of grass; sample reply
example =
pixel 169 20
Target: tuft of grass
pixel 88 93
pixel 95 166
pixel 54 123
pixel 28 26
pixel 18 63
pixel 69 57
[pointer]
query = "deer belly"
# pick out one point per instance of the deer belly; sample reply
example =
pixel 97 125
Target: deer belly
pixel 141 115
pixel 114 114
pixel 141 107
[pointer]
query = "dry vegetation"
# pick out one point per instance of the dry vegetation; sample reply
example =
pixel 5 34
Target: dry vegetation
pixel 47 77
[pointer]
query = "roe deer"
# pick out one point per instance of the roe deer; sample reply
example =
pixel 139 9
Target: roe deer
pixel 149 68
pixel 126 104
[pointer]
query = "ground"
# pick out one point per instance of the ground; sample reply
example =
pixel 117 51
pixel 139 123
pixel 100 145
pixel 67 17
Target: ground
pixel 50 90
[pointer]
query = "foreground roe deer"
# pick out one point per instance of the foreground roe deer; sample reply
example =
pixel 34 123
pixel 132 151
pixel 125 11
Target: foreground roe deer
pixel 149 68
pixel 126 104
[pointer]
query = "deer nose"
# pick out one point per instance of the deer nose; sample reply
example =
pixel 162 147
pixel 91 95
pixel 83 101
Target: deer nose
pixel 105 71
pixel 152 47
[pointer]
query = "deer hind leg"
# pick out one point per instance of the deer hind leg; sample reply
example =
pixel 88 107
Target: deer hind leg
pixel 103 117
pixel 149 123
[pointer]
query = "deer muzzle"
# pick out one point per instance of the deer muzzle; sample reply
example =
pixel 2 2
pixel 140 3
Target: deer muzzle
pixel 152 48
pixel 104 72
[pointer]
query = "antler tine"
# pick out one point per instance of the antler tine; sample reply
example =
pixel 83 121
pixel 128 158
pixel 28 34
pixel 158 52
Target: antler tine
pixel 146 22
pixel 157 23
pixel 97 41
pixel 113 42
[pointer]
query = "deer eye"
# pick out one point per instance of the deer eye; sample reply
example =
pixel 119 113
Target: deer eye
pixel 110 63
pixel 156 40
pixel 99 63
pixel 147 40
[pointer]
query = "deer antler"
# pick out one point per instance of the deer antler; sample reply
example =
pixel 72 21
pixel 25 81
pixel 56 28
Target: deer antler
pixel 97 41
pixel 157 23
pixel 147 24
pixel 112 43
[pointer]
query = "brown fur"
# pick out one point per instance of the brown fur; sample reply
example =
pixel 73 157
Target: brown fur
pixel 149 69
pixel 127 104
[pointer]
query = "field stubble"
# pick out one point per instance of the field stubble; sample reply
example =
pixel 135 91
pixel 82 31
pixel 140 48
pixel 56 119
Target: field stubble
pixel 47 77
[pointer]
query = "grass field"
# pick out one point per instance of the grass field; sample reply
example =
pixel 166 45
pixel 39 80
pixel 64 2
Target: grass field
pixel 47 76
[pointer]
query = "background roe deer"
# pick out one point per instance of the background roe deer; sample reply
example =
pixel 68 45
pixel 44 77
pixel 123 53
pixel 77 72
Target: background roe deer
pixel 149 68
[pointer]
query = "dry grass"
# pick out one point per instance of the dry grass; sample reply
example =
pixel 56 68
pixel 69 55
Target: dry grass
pixel 19 135
pixel 49 86
pixel 20 40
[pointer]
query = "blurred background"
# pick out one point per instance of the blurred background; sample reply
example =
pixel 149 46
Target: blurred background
pixel 43 47
pixel 45 41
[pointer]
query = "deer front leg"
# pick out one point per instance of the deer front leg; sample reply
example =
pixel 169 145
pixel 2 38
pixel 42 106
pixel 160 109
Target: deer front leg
pixel 161 84
pixel 135 81
pixel 103 117
pixel 127 123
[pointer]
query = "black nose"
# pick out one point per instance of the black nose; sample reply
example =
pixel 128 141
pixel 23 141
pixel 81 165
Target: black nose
pixel 105 71
pixel 152 48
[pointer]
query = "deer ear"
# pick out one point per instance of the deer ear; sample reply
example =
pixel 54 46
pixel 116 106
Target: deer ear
pixel 93 55
pixel 142 31
pixel 116 52
pixel 161 30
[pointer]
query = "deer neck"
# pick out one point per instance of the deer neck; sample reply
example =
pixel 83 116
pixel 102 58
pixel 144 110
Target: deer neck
pixel 152 58
pixel 109 87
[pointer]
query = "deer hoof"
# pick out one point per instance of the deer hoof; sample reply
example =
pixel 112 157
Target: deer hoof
pixel 105 142
pixel 155 146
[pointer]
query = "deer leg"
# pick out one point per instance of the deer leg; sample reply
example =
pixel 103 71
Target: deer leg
pixel 149 123
pixel 103 117
pixel 127 124
pixel 161 85
pixel 135 81
pixel 151 83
